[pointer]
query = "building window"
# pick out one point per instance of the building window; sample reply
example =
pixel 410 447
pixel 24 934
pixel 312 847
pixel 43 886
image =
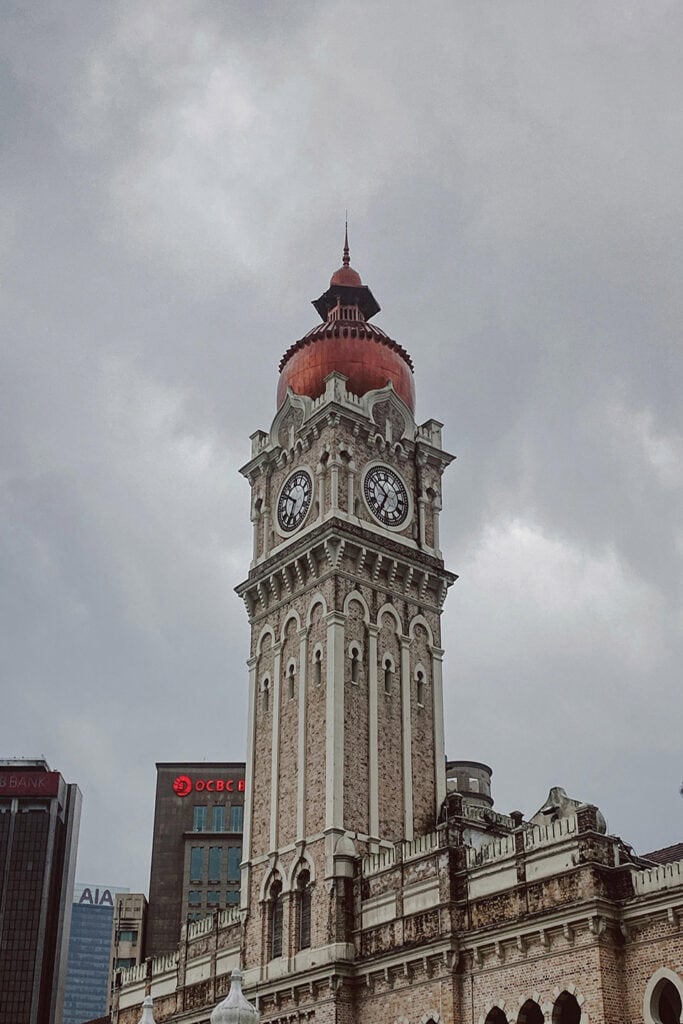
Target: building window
pixel 127 935
pixel 196 863
pixel 199 818
pixel 236 818
pixel 218 818
pixel 276 915
pixel 420 688
pixel 355 665
pixel 232 898
pixel 234 858
pixel 215 863
pixel 125 961
pixel 567 1010
pixel 290 682
pixel 530 1013
pixel 194 897
pixel 318 667
pixel 496 1016
pixel 266 695
pixel 388 675
pixel 195 917
pixel 213 898
pixel 665 1004
pixel 304 910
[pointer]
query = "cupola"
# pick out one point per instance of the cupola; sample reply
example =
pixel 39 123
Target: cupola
pixel 346 342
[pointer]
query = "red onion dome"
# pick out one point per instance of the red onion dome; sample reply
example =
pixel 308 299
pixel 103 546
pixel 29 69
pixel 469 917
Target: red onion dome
pixel 347 343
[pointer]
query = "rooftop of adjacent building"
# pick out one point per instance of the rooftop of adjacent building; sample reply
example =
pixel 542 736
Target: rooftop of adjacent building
pixel 25 764
pixel 667 855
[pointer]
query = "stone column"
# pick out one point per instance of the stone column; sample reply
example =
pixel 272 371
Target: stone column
pixel 334 736
pixel 301 738
pixel 407 740
pixel 437 711
pixel 249 787
pixel 373 753
pixel 275 748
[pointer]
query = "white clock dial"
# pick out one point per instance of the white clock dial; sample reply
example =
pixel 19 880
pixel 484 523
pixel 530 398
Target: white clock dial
pixel 294 501
pixel 386 495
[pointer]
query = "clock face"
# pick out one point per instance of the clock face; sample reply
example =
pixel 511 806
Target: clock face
pixel 386 495
pixel 294 501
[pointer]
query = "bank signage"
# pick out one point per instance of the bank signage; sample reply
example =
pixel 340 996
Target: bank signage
pixel 29 783
pixel 183 785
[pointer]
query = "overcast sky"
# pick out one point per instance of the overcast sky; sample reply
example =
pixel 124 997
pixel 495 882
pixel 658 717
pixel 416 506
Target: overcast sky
pixel 174 181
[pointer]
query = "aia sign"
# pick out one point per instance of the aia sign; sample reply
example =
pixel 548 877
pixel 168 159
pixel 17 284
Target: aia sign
pixel 97 897
pixel 183 785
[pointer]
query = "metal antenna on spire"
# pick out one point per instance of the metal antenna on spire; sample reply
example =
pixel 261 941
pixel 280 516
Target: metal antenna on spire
pixel 346 261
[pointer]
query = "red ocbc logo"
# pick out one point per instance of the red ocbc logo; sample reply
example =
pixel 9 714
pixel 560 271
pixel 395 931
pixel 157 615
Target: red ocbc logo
pixel 182 785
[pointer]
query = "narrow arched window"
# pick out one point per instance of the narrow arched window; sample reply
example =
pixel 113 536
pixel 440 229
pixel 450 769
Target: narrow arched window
pixel 495 1016
pixel 304 910
pixel 420 688
pixel 276 915
pixel 665 1004
pixel 355 665
pixel 388 676
pixel 290 682
pixel 530 1013
pixel 566 1009
pixel 318 667
pixel 266 694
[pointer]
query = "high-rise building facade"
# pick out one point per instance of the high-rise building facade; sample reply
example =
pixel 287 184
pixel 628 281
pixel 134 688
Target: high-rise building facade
pixel 39 823
pixel 196 846
pixel 87 993
pixel 379 884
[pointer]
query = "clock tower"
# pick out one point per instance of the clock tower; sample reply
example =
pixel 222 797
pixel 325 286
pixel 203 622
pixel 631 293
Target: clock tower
pixel 344 595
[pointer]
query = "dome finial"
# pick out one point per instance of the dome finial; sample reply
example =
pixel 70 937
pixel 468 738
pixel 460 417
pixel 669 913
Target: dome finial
pixel 346 260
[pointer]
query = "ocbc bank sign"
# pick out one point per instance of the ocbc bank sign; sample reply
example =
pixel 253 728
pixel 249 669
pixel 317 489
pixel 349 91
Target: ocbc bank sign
pixel 183 785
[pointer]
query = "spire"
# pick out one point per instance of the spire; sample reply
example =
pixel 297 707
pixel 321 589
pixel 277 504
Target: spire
pixel 147 1011
pixel 346 260
pixel 235 1008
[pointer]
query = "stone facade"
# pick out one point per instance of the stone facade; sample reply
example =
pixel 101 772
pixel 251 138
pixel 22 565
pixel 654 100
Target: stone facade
pixel 372 890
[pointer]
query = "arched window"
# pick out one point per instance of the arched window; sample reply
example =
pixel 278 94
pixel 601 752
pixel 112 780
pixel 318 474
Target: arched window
pixel 290 682
pixel 318 667
pixel 388 675
pixel 355 664
pixel 496 1016
pixel 420 687
pixel 531 1013
pixel 266 694
pixel 665 1004
pixel 276 914
pixel 303 927
pixel 566 1009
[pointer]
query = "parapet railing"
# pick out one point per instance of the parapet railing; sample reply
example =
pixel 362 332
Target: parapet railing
pixel 664 876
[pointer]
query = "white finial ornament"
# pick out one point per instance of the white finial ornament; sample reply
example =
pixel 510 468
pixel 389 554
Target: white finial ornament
pixel 147 1012
pixel 235 1008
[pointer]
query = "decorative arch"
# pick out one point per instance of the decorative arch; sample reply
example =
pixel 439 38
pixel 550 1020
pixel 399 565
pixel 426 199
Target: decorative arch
pixel 419 620
pixel 356 595
pixel 276 873
pixel 530 1011
pixel 497 1008
pixel 431 1017
pixel 388 609
pixel 317 599
pixel 302 863
pixel 663 997
pixel 291 614
pixel 266 631
pixel 566 1008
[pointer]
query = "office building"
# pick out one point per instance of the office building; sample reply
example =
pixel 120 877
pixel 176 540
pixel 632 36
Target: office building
pixel 196 847
pixel 39 822
pixel 88 979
